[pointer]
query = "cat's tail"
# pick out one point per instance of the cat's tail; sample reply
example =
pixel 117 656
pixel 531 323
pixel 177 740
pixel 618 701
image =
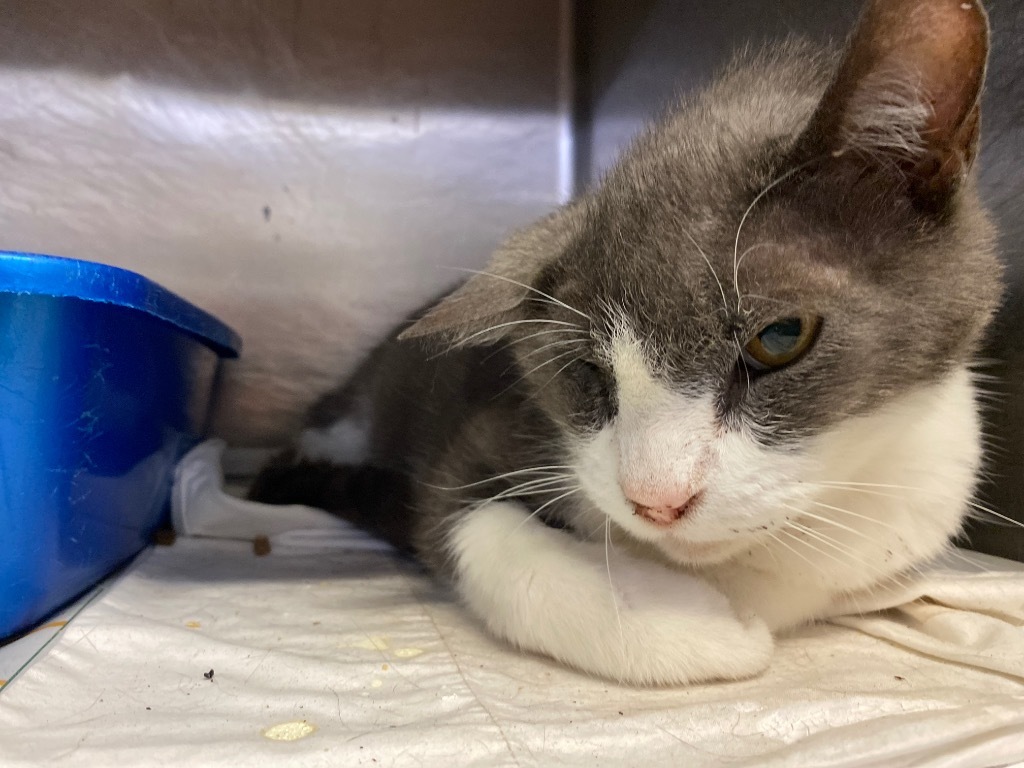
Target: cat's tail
pixel 372 498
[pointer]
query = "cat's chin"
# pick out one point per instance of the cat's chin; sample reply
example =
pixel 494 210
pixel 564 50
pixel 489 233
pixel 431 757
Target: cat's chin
pixel 698 553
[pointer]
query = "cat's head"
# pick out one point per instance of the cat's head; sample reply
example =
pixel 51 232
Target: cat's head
pixel 796 248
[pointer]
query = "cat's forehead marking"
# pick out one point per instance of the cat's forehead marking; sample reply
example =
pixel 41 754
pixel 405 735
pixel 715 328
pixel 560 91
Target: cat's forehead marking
pixel 638 386
pixel 633 375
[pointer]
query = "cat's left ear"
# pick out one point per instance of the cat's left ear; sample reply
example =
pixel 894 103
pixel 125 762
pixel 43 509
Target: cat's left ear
pixel 907 94
pixel 487 306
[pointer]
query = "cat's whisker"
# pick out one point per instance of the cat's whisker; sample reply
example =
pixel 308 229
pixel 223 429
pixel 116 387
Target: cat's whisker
pixel 743 255
pixel 850 483
pixel 741 359
pixel 574 348
pixel 477 502
pixel 823 519
pixel 510 323
pixel 983 508
pixel 793 528
pixel 1004 520
pixel 714 274
pixel 858 515
pixel 544 506
pixel 552 359
pixel 847 552
pixel 536 368
pixel 548 296
pixel 564 491
pixel 562 484
pixel 848 559
pixel 866 491
pixel 523 496
pixel 611 583
pixel 983 394
pixel 743 219
pixel 593 531
pixel 814 566
pixel 550 477
pixel 771 554
pixel 557 373
pixel 549 469
pixel 562 369
pixel 550 345
pixel 521 339
pixel 954 552
pixel 517 492
pixel 867 488
pixel 550 303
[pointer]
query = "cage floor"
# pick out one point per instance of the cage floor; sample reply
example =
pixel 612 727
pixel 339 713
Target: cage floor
pixel 331 650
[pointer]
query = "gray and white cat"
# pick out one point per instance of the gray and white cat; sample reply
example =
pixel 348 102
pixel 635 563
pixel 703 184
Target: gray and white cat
pixel 718 396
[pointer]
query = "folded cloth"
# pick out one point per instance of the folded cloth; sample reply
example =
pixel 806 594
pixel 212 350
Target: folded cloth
pixel 333 650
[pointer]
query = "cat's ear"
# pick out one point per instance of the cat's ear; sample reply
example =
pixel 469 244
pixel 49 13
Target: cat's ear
pixel 482 309
pixel 907 94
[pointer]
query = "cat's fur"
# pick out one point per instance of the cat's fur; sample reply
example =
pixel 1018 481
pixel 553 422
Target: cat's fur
pixel 595 371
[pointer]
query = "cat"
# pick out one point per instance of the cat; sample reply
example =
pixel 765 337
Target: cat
pixel 717 396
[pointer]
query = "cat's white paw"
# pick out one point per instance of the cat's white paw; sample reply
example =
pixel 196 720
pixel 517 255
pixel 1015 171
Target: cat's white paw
pixel 667 627
pixel 624 618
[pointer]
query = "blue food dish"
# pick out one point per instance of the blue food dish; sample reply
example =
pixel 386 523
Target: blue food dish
pixel 106 380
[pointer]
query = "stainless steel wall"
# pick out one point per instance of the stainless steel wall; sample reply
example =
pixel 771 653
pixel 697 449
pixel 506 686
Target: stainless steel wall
pixel 301 168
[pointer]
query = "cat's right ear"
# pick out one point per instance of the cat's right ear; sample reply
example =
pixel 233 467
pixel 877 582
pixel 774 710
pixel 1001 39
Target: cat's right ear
pixel 906 94
pixel 488 305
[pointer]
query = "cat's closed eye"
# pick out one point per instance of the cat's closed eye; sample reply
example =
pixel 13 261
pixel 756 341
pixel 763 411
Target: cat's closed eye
pixel 781 342
pixel 594 388
pixel 591 377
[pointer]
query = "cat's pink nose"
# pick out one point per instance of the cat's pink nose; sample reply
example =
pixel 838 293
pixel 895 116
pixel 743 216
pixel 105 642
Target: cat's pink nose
pixel 666 514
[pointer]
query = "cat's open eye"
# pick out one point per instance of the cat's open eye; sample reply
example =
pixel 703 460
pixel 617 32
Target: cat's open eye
pixel 782 342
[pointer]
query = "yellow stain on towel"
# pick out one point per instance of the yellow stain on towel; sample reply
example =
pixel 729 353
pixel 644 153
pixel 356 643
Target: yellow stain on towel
pixel 407 653
pixel 376 643
pixel 377 683
pixel 48 625
pixel 290 731
pixel 193 624
pixel 3 683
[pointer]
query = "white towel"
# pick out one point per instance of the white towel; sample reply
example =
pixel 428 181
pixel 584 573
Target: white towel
pixel 333 651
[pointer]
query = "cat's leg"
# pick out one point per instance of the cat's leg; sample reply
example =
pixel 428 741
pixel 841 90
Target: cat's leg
pixel 782 597
pixel 374 498
pixel 622 618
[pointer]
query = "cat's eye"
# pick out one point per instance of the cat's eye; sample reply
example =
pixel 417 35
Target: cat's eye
pixel 595 394
pixel 782 342
pixel 590 374
pixel 591 377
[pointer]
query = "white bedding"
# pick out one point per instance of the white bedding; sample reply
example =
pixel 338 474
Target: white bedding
pixel 333 651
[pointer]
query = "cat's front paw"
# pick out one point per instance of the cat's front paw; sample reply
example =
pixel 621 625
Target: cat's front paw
pixel 605 613
pixel 664 627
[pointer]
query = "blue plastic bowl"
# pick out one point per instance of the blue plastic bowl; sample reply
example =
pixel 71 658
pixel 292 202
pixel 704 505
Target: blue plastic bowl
pixel 106 379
